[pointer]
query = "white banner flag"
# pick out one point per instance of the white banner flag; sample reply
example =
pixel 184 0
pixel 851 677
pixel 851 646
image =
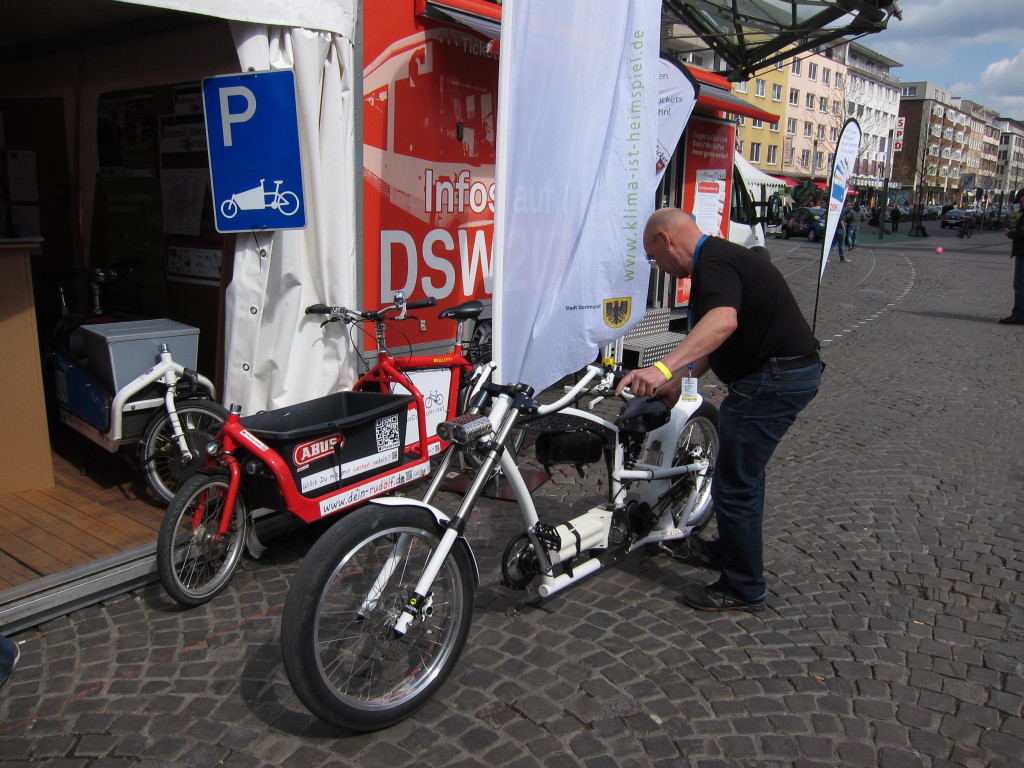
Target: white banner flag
pixel 677 96
pixel 839 183
pixel 575 174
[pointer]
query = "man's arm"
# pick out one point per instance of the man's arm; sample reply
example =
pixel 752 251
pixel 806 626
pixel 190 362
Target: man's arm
pixel 705 337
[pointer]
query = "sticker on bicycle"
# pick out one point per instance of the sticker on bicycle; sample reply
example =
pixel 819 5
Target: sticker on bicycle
pixel 314 450
pixel 382 485
pixel 388 434
pixel 350 469
pixel 252 439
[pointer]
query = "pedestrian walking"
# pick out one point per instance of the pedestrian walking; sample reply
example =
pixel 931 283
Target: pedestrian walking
pixel 746 326
pixel 858 215
pixel 895 218
pixel 1016 235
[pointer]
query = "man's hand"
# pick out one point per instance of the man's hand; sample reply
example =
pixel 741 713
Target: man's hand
pixel 646 382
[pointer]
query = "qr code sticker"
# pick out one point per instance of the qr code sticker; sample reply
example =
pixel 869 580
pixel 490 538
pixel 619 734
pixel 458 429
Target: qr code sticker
pixel 388 435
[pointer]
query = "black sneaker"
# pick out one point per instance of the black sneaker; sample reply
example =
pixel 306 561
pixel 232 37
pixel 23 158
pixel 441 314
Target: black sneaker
pixel 1012 320
pixel 715 597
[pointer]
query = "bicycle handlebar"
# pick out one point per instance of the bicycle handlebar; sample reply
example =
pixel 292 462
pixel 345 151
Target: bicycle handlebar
pixel 352 315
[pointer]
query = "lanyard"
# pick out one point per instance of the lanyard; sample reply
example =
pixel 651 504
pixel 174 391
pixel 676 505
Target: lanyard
pixel 689 307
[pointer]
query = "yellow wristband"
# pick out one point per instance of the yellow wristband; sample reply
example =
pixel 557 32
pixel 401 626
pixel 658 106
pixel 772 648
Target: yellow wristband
pixel 664 369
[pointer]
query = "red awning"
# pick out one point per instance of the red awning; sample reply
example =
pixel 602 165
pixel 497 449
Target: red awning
pixel 821 184
pixel 714 92
pixel 785 180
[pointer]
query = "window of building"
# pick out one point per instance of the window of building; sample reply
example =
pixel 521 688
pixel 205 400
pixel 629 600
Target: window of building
pixel 821 131
pixel 808 128
pixel 826 75
pixel 833 133
pixel 759 87
pixel 755 152
pixel 812 70
pixel 796 66
pixel 757 123
pixel 741 87
pixel 809 101
pixel 794 96
pixel 776 92
pixel 805 158
pixel 774 127
pixel 839 79
pixel 791 125
pixel 773 154
pixel 823 104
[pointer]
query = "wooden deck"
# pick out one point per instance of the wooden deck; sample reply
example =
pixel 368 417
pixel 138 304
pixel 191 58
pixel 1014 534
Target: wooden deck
pixel 99 506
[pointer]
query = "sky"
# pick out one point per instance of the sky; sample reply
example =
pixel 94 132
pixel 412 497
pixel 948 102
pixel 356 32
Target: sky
pixel 975 49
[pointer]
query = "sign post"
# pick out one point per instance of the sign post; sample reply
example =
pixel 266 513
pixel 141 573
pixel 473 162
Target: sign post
pixel 252 133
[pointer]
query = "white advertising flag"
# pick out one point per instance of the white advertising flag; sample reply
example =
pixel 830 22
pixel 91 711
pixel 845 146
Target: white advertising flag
pixel 575 175
pixel 838 185
pixel 677 96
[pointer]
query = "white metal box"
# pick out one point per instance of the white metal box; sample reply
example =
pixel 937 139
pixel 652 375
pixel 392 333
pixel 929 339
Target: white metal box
pixel 119 352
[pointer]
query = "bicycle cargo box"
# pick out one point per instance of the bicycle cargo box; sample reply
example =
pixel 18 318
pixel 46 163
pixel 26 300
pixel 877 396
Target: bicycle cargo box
pixel 119 352
pixel 334 441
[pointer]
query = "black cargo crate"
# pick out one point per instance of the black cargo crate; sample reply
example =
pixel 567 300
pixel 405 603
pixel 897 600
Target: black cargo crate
pixel 336 440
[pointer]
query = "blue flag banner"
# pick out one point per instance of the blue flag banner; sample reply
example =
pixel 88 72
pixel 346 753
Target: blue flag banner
pixel 838 184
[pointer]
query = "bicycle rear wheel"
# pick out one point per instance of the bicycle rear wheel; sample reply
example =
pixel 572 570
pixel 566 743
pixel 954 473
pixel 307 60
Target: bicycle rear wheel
pixel 699 440
pixel 340 650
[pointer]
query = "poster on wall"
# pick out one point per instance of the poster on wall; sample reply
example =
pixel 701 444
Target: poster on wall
pixel 429 99
pixel 708 173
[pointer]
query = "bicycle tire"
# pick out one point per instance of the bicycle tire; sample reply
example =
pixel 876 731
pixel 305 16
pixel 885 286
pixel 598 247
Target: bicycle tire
pixel 194 564
pixel 699 439
pixel 289 204
pixel 159 451
pixel 341 654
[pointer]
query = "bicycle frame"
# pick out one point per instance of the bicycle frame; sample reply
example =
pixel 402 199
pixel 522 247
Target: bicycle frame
pixel 166 371
pixel 390 375
pixel 590 529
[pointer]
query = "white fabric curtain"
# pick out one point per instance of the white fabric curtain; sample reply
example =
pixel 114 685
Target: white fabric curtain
pixel 275 355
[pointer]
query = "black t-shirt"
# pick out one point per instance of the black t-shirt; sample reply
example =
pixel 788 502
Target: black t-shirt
pixel 770 323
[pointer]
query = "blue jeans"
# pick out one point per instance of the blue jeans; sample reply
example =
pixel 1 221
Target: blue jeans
pixel 8 652
pixel 852 236
pixel 751 423
pixel 840 240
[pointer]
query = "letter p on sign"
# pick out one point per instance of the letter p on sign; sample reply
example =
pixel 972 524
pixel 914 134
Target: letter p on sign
pixel 227 117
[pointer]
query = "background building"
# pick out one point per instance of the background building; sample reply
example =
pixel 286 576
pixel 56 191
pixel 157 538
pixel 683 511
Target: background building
pixel 873 98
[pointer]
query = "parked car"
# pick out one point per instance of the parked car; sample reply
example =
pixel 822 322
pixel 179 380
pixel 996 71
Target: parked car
pixel 953 219
pixel 805 222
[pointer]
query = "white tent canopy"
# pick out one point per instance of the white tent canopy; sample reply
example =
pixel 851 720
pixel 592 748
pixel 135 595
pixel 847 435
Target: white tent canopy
pixel 755 177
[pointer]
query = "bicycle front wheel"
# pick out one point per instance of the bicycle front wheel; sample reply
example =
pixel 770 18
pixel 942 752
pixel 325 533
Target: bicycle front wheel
pixel 340 650
pixel 195 561
pixel 699 440
pixel 161 455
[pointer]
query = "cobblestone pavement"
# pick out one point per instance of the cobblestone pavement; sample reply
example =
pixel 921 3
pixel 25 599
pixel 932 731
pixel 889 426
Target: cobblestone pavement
pixel 893 637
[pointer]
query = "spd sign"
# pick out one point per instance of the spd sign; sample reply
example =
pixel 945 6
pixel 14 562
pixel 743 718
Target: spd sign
pixel 252 131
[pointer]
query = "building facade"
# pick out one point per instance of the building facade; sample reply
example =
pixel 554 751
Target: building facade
pixel 872 97
pixel 937 145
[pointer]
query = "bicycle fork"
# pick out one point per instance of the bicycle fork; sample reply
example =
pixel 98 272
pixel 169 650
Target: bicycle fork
pixel 494 450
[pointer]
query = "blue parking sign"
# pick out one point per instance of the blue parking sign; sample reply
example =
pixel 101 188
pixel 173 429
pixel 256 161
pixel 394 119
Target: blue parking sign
pixel 252 131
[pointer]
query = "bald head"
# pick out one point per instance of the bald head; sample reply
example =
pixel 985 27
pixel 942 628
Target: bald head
pixel 670 237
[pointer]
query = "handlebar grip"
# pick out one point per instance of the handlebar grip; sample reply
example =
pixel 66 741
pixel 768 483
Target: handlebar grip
pixel 318 309
pixel 430 301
